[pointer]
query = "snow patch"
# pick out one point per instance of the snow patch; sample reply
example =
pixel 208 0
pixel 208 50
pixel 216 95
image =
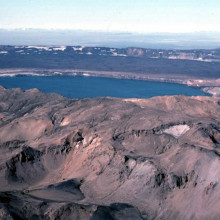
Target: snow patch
pixel 176 130
pixel 85 74
pixel 62 48
pixel 58 73
pixel 39 48
pixel 7 75
pixel 21 74
pixel 78 48
pixel 118 54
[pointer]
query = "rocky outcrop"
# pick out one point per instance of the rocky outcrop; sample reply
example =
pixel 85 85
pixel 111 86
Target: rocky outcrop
pixel 214 91
pixel 108 158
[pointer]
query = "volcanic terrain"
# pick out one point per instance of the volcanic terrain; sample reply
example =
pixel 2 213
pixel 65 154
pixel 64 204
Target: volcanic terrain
pixel 108 158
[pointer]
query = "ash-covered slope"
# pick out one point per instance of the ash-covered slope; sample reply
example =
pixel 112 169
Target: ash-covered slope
pixel 108 158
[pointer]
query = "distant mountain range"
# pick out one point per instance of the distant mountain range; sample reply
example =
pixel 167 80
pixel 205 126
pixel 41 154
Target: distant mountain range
pixel 197 40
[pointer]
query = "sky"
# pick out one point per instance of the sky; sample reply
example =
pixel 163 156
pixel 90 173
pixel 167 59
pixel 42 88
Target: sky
pixel 141 16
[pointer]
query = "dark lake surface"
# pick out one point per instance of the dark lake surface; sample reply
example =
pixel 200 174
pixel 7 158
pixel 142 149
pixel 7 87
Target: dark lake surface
pixel 86 87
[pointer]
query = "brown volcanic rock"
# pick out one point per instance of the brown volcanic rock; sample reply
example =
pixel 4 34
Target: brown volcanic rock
pixel 135 52
pixel 108 158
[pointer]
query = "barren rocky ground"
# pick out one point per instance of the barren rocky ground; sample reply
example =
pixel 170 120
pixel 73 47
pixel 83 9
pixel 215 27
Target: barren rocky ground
pixel 108 158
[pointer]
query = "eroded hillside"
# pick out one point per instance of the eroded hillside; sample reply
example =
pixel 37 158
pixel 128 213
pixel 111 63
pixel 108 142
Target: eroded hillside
pixel 108 158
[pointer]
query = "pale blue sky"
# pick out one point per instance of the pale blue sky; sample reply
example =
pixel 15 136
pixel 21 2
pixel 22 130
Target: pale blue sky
pixel 112 15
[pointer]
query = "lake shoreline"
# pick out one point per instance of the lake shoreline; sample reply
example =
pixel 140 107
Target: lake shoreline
pixel 84 86
pixel 205 84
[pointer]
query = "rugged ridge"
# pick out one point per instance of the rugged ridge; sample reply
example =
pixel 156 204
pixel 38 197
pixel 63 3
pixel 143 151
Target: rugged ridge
pixel 108 158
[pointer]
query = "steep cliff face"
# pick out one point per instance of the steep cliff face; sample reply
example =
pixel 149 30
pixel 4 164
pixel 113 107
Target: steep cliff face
pixel 108 158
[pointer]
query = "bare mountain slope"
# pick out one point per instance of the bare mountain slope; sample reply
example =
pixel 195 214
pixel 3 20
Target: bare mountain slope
pixel 108 158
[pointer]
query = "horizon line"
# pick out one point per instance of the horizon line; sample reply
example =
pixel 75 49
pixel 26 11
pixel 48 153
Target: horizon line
pixel 107 31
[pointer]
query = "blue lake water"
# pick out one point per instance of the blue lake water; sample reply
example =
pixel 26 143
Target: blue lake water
pixel 85 87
